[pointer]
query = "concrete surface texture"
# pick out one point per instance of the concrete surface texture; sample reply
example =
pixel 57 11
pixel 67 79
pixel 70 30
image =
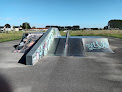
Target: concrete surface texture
pixel 96 72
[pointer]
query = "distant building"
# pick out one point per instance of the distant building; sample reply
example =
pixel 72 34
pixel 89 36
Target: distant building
pixel 7 28
pixel 11 28
pixel 17 28
pixel 38 29
pixel 1 28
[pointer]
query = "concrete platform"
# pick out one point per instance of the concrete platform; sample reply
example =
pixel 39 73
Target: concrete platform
pixel 96 72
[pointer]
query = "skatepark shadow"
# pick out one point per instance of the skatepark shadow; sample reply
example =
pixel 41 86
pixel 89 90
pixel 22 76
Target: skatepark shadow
pixel 23 58
pixel 4 84
pixel 15 46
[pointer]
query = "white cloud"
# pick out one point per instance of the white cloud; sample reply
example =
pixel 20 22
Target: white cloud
pixel 16 19
pixel 37 25
pixel 2 18
pixel 24 18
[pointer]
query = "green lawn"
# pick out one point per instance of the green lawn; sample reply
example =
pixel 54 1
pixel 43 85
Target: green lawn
pixel 18 35
pixel 108 33
pixel 10 36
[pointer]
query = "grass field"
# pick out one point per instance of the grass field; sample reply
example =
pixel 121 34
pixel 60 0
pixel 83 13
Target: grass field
pixel 106 33
pixel 18 35
pixel 10 36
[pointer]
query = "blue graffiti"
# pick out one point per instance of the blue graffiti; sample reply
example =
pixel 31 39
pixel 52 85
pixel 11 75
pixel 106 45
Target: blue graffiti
pixel 44 47
pixel 98 45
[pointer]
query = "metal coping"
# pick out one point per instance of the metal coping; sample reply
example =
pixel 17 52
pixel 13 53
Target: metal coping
pixel 66 43
pixel 67 37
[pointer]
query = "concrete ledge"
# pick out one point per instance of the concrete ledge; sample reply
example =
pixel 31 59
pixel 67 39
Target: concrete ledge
pixel 42 46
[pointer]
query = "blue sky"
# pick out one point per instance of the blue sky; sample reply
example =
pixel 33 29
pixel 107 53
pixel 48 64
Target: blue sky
pixel 39 13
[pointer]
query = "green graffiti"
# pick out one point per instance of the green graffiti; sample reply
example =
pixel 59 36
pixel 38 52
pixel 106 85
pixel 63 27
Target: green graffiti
pixel 54 32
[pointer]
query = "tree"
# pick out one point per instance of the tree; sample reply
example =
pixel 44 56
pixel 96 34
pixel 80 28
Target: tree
pixel 68 27
pixel 76 27
pixel 94 28
pixel 106 27
pixel 34 27
pixel 26 25
pixel 61 28
pixel 47 26
pixel 7 25
pixel 115 24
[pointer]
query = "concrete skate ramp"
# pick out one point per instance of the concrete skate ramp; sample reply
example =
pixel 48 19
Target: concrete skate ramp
pixel 57 47
pixel 66 47
pixel 41 48
pixel 96 44
pixel 75 47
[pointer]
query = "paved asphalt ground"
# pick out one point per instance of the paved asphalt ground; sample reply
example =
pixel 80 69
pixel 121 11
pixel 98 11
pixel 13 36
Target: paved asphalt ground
pixel 96 72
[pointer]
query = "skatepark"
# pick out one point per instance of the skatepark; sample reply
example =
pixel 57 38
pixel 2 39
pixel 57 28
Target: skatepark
pixel 63 71
pixel 51 43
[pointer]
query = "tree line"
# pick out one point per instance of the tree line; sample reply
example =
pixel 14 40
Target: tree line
pixel 76 27
pixel 25 25
pixel 114 24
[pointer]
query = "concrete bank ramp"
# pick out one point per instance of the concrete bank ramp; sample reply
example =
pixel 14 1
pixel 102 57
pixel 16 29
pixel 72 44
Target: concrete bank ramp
pixel 75 47
pixel 96 44
pixel 57 47
pixel 66 46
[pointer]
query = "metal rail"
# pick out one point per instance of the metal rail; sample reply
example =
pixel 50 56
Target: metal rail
pixel 66 43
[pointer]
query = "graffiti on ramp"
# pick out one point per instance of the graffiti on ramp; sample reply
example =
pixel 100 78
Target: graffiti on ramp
pixel 27 41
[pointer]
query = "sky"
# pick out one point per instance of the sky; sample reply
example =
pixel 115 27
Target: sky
pixel 39 13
